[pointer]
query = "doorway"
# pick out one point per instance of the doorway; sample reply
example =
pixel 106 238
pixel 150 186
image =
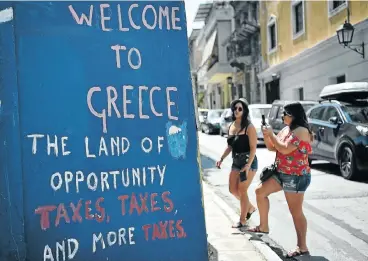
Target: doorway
pixel 272 91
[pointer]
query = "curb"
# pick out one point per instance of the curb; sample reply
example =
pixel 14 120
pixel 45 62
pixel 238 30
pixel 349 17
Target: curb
pixel 261 247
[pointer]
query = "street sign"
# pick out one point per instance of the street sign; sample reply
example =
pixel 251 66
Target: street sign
pixel 108 145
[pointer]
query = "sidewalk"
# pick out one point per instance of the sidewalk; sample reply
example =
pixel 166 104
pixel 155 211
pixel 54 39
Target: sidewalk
pixel 226 243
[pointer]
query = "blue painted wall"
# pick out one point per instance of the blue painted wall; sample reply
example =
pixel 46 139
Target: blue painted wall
pixel 12 245
pixel 58 63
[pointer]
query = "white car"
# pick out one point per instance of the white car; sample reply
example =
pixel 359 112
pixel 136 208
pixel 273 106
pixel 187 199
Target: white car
pixel 202 113
pixel 255 114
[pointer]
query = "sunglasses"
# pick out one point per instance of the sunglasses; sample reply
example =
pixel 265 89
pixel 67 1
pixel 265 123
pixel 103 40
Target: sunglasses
pixel 238 108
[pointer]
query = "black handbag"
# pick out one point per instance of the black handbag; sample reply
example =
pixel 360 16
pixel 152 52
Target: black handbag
pixel 268 172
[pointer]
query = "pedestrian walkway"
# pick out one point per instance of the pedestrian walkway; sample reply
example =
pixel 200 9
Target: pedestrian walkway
pixel 226 243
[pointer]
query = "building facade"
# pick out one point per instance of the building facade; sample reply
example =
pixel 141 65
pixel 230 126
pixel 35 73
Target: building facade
pixel 213 68
pixel 300 51
pixel 244 51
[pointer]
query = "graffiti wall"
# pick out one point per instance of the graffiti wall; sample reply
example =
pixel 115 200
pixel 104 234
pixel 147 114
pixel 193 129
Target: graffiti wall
pixel 107 130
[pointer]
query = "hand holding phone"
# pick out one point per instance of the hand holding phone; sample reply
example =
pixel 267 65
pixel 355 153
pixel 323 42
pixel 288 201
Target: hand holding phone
pixel 263 120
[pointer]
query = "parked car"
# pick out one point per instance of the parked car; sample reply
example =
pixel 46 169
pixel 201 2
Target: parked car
pixel 255 115
pixel 201 114
pixel 276 113
pixel 225 121
pixel 341 128
pixel 211 122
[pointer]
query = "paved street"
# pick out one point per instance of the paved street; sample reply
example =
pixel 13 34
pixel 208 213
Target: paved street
pixel 335 208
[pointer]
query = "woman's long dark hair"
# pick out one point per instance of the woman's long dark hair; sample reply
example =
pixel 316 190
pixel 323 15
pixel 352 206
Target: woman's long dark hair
pixel 245 117
pixel 296 110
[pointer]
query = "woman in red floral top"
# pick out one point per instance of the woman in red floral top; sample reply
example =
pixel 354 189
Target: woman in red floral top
pixel 292 146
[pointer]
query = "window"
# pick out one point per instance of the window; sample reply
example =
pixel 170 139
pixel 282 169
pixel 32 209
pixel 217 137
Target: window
pixel 301 94
pixel 335 7
pixel 331 112
pixel 257 113
pixel 254 11
pixel 356 113
pixel 233 91
pixel 243 17
pixel 340 79
pixel 280 113
pixel 336 4
pixel 297 15
pixel 273 112
pixel 317 113
pixel 272 34
pixel 240 90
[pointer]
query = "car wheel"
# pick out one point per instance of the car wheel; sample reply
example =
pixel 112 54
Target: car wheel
pixel 347 163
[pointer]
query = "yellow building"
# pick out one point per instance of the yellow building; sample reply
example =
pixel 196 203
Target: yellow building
pixel 301 53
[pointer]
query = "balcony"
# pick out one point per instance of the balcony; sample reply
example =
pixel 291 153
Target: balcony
pixel 238 49
pixel 246 18
pixel 249 26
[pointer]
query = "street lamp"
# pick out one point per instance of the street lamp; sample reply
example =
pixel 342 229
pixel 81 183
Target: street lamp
pixel 345 35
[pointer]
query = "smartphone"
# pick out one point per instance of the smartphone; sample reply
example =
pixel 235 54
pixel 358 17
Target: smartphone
pixel 263 120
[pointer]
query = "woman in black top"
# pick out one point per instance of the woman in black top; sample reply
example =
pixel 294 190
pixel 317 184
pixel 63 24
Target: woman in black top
pixel 242 142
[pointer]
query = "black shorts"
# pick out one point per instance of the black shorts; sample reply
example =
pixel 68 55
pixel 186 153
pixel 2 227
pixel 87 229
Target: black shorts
pixel 239 162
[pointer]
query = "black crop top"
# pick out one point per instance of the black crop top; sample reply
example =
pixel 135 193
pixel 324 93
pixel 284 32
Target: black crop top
pixel 239 143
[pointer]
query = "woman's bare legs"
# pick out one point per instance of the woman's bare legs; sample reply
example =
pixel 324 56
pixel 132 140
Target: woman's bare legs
pixel 262 192
pixel 245 205
pixel 295 203
pixel 233 183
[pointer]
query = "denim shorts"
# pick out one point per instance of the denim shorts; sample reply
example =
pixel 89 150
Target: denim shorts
pixel 239 164
pixel 293 183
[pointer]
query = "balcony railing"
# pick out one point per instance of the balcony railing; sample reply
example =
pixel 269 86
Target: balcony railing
pixel 238 49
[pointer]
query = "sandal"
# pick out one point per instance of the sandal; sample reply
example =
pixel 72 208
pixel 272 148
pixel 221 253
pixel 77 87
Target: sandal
pixel 297 252
pixel 257 230
pixel 238 225
pixel 250 214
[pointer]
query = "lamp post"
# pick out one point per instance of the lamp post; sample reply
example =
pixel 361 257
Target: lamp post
pixel 345 35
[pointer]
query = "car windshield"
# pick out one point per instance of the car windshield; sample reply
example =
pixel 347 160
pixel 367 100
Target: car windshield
pixel 356 113
pixel 214 114
pixel 256 113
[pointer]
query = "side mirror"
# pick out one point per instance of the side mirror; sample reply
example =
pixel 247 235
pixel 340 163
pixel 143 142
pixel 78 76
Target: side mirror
pixel 334 120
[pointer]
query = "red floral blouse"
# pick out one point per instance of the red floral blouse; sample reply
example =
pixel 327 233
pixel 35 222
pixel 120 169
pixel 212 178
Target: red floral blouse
pixel 296 162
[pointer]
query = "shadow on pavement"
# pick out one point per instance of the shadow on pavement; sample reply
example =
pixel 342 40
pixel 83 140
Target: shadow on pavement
pixel 311 258
pixel 207 165
pixel 212 253
pixel 327 168
pixel 333 169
